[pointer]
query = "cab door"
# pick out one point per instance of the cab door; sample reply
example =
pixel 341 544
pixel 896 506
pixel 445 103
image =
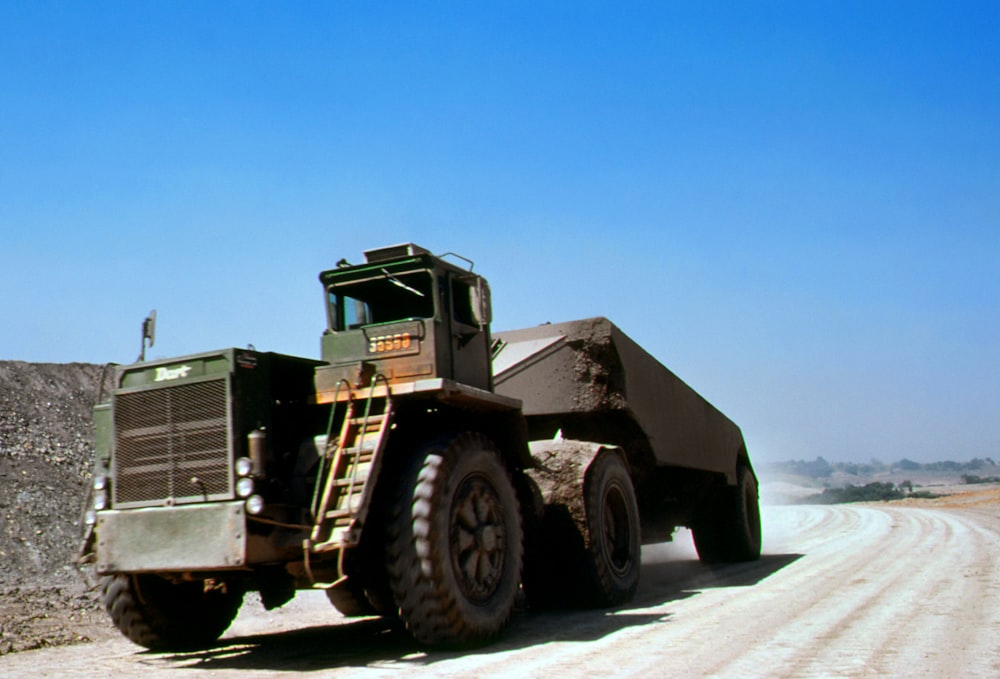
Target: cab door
pixel 469 305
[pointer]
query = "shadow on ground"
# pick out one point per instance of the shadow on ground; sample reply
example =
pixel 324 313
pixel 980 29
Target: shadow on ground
pixel 377 643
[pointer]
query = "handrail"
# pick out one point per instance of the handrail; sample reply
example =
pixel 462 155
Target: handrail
pixel 364 429
pixel 313 508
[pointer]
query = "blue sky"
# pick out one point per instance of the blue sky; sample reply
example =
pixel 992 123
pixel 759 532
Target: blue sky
pixel 795 206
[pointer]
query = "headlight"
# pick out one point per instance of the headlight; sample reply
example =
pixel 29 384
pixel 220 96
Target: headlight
pixel 255 504
pixel 100 500
pixel 100 482
pixel 244 466
pixel 90 517
pixel 244 487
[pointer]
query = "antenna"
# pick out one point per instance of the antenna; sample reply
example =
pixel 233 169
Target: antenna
pixel 148 333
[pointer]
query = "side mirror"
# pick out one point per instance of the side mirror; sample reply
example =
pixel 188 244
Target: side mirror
pixel 482 307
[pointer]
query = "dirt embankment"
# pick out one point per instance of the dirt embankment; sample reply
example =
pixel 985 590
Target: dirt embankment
pixel 46 445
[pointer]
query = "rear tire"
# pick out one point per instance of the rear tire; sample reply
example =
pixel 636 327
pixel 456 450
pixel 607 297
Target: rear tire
pixel 454 549
pixel 585 550
pixel 161 615
pixel 613 539
pixel 728 527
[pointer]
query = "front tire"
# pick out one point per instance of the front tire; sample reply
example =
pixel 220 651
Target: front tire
pixel 454 549
pixel 162 615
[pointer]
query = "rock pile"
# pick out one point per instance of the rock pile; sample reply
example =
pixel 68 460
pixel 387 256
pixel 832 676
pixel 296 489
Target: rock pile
pixel 46 445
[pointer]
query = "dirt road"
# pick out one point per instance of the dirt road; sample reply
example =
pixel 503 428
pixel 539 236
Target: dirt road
pixel 841 591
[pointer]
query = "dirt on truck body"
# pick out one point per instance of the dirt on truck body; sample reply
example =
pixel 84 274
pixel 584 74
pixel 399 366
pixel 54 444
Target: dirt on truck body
pixel 421 468
pixel 590 376
pixel 587 381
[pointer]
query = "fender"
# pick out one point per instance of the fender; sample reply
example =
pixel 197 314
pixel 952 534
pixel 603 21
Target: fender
pixel 560 471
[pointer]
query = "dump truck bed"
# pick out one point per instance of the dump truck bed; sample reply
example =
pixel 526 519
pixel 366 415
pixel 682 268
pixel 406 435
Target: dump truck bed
pixel 588 379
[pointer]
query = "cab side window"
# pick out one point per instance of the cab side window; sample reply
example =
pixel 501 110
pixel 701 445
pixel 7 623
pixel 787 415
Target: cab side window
pixel 461 303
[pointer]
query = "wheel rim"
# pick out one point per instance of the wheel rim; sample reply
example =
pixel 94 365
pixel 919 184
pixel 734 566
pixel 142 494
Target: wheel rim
pixel 617 529
pixel 478 538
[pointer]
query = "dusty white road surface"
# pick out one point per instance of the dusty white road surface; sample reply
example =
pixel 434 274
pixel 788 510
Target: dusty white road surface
pixel 853 591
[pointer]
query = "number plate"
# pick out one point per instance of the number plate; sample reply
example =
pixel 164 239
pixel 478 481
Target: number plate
pixel 383 344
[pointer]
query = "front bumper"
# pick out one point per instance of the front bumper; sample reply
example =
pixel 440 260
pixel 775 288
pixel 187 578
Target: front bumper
pixel 201 537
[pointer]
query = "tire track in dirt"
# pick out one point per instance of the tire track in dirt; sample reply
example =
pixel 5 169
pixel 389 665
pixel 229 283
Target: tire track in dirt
pixel 876 596
pixel 853 591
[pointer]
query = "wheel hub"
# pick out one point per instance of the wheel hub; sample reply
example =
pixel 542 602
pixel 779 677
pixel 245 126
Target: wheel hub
pixel 478 539
pixel 486 538
pixel 617 537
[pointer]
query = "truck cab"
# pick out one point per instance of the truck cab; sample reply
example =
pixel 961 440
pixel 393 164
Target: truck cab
pixel 404 315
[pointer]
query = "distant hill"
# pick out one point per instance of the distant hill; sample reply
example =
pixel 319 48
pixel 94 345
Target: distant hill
pixel 821 482
pixel 820 468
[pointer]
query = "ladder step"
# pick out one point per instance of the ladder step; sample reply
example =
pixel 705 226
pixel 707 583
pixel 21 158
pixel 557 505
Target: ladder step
pixel 347 465
pixel 372 420
pixel 340 537
pixel 344 483
pixel 321 547
pixel 341 517
pixel 365 449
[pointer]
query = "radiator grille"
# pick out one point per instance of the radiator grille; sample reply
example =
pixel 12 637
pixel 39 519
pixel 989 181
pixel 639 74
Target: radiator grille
pixel 172 443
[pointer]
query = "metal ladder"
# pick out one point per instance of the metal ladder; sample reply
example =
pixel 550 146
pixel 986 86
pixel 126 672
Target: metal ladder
pixel 342 495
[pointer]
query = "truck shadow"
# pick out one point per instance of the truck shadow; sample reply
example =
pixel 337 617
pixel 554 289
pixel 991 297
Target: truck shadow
pixel 664 581
pixel 377 643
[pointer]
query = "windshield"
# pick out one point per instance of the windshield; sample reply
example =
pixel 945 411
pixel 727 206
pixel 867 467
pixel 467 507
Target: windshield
pixel 392 297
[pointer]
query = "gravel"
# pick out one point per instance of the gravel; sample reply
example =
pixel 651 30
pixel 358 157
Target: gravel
pixel 46 447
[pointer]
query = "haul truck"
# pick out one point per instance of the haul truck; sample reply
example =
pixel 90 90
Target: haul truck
pixel 422 469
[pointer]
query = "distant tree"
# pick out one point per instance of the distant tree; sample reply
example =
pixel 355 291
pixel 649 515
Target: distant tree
pixel 908 465
pixel 818 468
pixel 973 478
pixel 907 485
pixel 871 492
pixel 946 466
